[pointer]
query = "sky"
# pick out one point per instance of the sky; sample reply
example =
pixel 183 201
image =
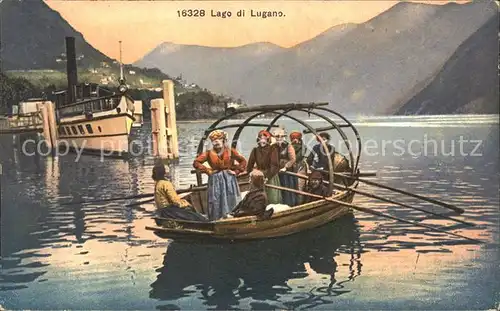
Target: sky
pixel 143 25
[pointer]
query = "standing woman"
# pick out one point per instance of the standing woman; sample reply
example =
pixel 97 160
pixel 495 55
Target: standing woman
pixel 300 150
pixel 286 155
pixel 318 158
pixel 223 189
pixel 300 165
pixel 264 157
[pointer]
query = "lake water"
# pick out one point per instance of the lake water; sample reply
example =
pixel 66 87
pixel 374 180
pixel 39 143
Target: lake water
pixel 100 256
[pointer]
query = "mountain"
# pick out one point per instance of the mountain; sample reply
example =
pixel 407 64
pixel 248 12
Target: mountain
pixel 200 64
pixel 33 62
pixel 33 37
pixel 364 68
pixel 467 83
pixel 33 47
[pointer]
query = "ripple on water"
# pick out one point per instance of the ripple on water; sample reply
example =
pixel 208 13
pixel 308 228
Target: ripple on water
pixel 119 264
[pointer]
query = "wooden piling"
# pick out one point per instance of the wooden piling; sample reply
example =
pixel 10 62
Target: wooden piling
pixel 51 112
pixel 169 98
pixel 164 124
pixel 1 177
pixel 154 126
pixel 158 128
pixel 46 126
pixel 138 115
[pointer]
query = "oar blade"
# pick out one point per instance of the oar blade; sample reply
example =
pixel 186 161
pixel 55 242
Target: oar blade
pixel 417 196
pixel 372 212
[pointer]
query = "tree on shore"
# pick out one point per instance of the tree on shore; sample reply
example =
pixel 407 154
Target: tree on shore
pixel 190 105
pixel 13 91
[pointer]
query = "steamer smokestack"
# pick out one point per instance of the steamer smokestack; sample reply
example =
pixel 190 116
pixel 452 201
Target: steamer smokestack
pixel 71 68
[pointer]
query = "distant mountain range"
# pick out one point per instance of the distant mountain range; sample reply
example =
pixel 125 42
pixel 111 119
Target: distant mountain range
pixel 467 83
pixel 32 56
pixel 369 68
pixel 33 38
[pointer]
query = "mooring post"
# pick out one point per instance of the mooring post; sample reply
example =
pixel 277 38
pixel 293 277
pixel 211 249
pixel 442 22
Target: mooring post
pixel 51 113
pixel 138 115
pixel 154 126
pixel 171 125
pixel 1 177
pixel 46 126
pixel 158 128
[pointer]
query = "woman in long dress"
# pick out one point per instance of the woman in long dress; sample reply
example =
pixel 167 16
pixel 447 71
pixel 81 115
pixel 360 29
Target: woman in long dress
pixel 265 158
pixel 286 155
pixel 300 165
pixel 223 189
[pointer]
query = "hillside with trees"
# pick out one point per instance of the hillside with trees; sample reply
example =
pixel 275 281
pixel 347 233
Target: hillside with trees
pixel 33 64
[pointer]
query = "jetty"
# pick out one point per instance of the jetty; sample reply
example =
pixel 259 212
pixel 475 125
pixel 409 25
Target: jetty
pixel 33 117
pixel 95 119
pixel 39 117
pixel 24 122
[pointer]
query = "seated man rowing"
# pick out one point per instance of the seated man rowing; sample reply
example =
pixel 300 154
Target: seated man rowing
pixel 168 202
pixel 316 186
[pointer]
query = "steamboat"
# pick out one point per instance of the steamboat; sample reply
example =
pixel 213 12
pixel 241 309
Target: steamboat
pixel 90 117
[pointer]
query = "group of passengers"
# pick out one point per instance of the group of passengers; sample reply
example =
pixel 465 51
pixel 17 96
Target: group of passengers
pixel 274 161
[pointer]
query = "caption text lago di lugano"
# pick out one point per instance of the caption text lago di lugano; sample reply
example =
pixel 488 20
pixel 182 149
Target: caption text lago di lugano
pixel 228 14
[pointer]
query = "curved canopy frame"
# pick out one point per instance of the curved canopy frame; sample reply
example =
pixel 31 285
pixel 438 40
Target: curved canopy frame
pixel 334 126
pixel 281 111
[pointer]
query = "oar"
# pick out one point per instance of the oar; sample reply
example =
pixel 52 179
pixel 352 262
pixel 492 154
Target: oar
pixel 140 203
pixel 366 174
pixel 430 200
pixel 369 211
pixel 149 201
pixel 358 174
pixel 138 196
pixel 144 195
pixel 374 196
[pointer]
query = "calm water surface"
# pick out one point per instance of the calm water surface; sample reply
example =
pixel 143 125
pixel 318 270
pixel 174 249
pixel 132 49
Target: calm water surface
pixel 100 256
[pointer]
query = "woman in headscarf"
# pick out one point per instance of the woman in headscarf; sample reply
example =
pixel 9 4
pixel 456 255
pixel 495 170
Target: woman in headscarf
pixel 223 189
pixel 286 155
pixel 300 165
pixel 265 158
pixel 299 148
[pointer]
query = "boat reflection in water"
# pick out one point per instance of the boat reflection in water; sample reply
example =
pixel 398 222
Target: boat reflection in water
pixel 260 272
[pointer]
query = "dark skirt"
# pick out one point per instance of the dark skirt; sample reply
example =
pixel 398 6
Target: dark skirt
pixel 176 212
pixel 289 198
pixel 223 194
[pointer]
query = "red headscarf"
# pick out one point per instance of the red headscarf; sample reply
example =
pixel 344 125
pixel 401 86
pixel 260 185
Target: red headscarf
pixel 265 134
pixel 295 135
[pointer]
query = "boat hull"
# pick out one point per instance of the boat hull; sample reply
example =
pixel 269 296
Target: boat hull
pixel 283 223
pixel 107 134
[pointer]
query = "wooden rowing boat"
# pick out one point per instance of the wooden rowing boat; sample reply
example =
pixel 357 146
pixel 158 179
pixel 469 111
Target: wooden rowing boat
pixel 282 223
pixel 344 177
pixel 285 221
